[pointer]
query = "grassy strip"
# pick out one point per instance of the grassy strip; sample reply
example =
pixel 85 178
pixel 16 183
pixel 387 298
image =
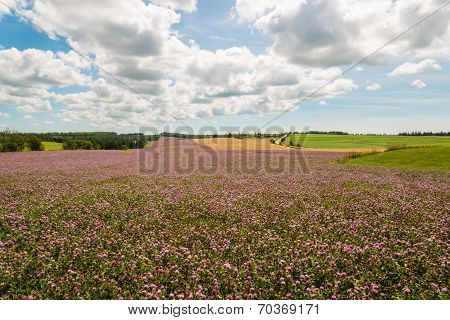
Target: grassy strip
pixel 434 158
pixel 395 147
pixel 52 146
pixel 355 155
pixel 404 146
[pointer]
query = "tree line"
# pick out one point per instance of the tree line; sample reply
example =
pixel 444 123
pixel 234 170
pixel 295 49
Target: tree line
pixel 419 133
pixel 103 141
pixel 11 141
pixel 340 133
pixel 216 135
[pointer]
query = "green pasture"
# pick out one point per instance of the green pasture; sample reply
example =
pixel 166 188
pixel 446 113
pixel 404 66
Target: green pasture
pixel 329 141
pixel 52 146
pixel 418 158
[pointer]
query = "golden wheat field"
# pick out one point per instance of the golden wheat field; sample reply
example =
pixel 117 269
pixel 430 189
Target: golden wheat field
pixel 232 144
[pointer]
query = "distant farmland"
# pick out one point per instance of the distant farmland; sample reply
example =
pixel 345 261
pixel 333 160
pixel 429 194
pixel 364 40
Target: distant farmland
pixel 327 141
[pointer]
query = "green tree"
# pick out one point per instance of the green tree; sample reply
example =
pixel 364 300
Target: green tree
pixel 35 144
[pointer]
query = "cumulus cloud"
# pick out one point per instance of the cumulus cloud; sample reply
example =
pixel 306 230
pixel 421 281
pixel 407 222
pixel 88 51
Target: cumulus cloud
pixel 4 115
pixel 131 39
pixel 250 11
pixel 74 60
pixel 36 107
pixel 205 83
pixel 134 41
pixel 330 32
pixel 27 117
pixel 129 28
pixel 27 77
pixel 373 87
pixel 37 69
pixel 419 84
pixel 323 103
pixel 409 68
pixel 105 105
pixel 185 5
pixel 4 9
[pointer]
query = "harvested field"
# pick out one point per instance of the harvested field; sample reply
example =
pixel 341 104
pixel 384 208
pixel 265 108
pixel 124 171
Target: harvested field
pixel 233 144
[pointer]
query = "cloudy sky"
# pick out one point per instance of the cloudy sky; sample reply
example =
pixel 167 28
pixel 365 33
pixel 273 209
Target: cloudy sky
pixel 224 63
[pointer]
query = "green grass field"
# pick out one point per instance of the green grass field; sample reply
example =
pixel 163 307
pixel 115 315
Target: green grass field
pixel 418 158
pixel 52 146
pixel 328 141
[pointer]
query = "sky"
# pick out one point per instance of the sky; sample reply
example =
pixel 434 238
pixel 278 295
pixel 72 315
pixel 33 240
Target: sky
pixel 229 65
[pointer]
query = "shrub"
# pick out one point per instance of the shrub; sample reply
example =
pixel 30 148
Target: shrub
pixel 404 146
pixel 35 144
pixel 396 147
pixel 11 142
pixel 86 145
pixel 69 145
pixel 355 155
pixel 77 144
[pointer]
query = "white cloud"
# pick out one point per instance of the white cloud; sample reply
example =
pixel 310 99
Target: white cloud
pixel 330 32
pixel 373 87
pixel 27 117
pixel 4 115
pixel 232 81
pixel 4 9
pixel 135 41
pixel 108 28
pixel 74 60
pixel 36 68
pixel 359 69
pixel 419 84
pixel 43 105
pixel 250 11
pixel 185 5
pixel 415 68
pixel 27 76
pixel 323 103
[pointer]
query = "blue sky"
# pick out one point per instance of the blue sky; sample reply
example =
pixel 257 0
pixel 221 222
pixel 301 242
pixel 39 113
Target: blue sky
pixel 191 50
pixel 213 27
